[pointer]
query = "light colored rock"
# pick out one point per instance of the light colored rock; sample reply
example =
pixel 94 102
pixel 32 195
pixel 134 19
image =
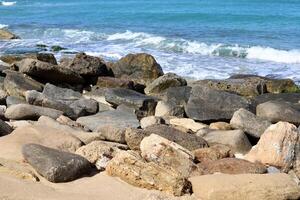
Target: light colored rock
pixel 7 35
pixel 149 121
pixel 212 153
pixel 130 167
pixel 164 108
pixel 245 186
pixel 187 123
pixel 20 123
pixel 220 126
pixel 167 154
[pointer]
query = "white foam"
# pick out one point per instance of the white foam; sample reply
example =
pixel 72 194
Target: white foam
pixel 3 26
pixel 8 3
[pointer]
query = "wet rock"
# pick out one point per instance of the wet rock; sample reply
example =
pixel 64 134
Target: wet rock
pixel 245 186
pixel 142 68
pixel 249 123
pixel 56 166
pixel 7 35
pixel 207 104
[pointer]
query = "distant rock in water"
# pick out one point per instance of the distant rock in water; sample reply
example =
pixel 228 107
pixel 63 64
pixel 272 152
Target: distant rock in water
pixel 7 35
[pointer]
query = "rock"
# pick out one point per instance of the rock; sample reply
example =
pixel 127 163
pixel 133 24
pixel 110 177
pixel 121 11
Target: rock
pixel 292 98
pixel 56 166
pixel 131 168
pixel 276 111
pixel 245 186
pixel 187 123
pixel 151 120
pixel 40 134
pixel 169 109
pixel 48 72
pixel 97 151
pixel 167 154
pixel 12 100
pixel 84 107
pixel 87 66
pixel 70 123
pixel 113 134
pixel 207 104
pixel 20 123
pixel 177 95
pixel 249 123
pixel 16 84
pixel 142 68
pixel 111 82
pixel 191 142
pixel 164 82
pixel 278 146
pixel 64 95
pixel 7 35
pixel 235 139
pixel 45 57
pixel 220 126
pixel 3 94
pixel 113 118
pixel 233 166
pixel 144 105
pixel 212 153
pixel 5 129
pixel 2 112
pixel 30 112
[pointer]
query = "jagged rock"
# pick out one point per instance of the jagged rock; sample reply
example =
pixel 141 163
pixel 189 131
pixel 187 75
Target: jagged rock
pixel 245 186
pixel 249 123
pixel 187 123
pixel 5 129
pixel 169 108
pixel 220 126
pixel 212 153
pixel 151 120
pixel 207 104
pixel 235 139
pixel 48 72
pixel 30 112
pixel 142 68
pixel 130 167
pixel 16 84
pixel 7 35
pixel 276 111
pixel 56 166
pixel 164 82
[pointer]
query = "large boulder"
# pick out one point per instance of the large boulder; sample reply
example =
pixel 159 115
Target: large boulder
pixel 245 186
pixel 7 35
pixel 207 104
pixel 164 82
pixel 276 111
pixel 16 84
pixel 56 166
pixel 249 123
pixel 40 134
pixel 235 139
pixel 30 112
pixel 48 72
pixel 130 167
pixel 142 68
pixel 279 146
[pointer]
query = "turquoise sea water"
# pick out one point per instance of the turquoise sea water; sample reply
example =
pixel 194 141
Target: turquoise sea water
pixel 195 38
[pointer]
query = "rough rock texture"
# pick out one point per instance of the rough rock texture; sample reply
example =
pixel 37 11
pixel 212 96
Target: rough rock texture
pixel 245 186
pixel 249 123
pixel 167 154
pixel 164 82
pixel 30 112
pixel 48 72
pixel 212 153
pixel 187 123
pixel 131 168
pixel 5 129
pixel 278 146
pixel 111 133
pixel 56 166
pixel 40 134
pixel 142 68
pixel 134 137
pixel 208 104
pixel 111 82
pixel 276 111
pixel 16 84
pixel 235 139
pixel 233 166
pixel 6 35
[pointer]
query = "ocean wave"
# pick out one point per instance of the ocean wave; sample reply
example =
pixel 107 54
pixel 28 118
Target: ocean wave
pixel 3 26
pixel 8 3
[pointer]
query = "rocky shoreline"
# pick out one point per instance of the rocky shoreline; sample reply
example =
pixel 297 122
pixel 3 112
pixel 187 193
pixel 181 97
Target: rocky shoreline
pixel 72 127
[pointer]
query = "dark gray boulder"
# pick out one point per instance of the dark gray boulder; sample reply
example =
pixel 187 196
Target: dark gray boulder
pixel 54 165
pixel 5 129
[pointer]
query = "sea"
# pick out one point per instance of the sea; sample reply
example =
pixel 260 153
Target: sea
pixel 198 39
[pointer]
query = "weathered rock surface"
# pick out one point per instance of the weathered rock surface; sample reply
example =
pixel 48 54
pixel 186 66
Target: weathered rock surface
pixel 5 129
pixel 164 108
pixel 30 112
pixel 131 168
pixel 276 111
pixel 235 139
pixel 278 146
pixel 187 123
pixel 249 123
pixel 167 154
pixel 56 166
pixel 7 35
pixel 245 186
pixel 142 68
pixel 207 104
pixel 111 82
pixel 45 57
pixel 212 153
pixel 164 82
pixel 150 121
